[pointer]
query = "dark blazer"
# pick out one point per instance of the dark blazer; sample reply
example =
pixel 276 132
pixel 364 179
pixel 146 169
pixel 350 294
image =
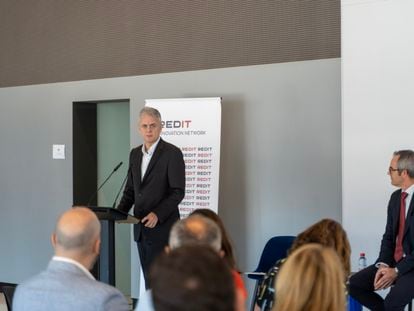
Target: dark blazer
pixel 160 191
pixel 391 230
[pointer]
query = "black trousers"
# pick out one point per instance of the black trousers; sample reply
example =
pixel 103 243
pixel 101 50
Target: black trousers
pixel 361 288
pixel 149 250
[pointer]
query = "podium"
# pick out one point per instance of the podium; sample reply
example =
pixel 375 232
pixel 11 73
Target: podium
pixel 104 269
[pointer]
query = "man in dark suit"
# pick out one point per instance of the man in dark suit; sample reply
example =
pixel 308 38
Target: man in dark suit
pixel 155 186
pixel 395 265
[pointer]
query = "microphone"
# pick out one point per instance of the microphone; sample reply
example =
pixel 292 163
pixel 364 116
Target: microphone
pixel 104 182
pixel 120 189
pixel 118 166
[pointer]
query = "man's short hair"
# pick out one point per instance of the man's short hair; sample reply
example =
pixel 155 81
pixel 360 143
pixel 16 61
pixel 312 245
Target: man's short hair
pixel 405 161
pixel 195 230
pixel 151 112
pixel 192 278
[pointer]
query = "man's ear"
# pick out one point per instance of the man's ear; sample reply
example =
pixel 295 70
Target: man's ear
pixel 97 246
pixel 167 249
pixel 53 240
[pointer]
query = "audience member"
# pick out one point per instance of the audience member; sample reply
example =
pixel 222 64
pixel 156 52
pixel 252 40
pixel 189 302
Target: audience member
pixel 311 279
pixel 226 249
pixel 192 278
pixel 67 284
pixel 226 245
pixel 196 230
pixel 326 232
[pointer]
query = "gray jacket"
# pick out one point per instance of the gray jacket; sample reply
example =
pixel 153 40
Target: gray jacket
pixel 65 287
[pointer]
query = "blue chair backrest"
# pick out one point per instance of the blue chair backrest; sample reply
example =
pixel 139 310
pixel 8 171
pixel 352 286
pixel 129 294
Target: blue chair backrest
pixel 353 305
pixel 276 248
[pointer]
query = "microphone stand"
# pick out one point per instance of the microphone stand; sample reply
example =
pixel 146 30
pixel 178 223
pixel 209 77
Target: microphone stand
pixel 120 189
pixel 104 182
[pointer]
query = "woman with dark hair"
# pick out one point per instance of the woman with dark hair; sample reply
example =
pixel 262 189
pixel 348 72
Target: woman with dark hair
pixel 226 245
pixel 227 251
pixel 326 232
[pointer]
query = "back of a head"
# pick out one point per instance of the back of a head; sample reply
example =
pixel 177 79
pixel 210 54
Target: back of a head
pixel 226 245
pixel 311 279
pixel 192 278
pixel 195 230
pixel 330 233
pixel 76 231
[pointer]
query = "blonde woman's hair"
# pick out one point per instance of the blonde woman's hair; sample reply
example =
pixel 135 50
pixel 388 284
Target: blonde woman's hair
pixel 311 279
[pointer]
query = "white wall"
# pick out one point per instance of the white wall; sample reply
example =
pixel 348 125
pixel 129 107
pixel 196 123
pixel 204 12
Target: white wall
pixel 377 111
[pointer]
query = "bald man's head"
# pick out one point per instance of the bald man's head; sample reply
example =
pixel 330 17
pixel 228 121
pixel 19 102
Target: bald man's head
pixel 77 231
pixel 195 230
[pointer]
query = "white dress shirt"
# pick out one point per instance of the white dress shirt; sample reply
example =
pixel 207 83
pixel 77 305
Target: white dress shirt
pixel 408 198
pixel 146 157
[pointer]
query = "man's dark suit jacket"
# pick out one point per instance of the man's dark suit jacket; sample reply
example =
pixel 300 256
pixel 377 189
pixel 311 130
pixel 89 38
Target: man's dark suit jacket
pixel 160 191
pixel 391 230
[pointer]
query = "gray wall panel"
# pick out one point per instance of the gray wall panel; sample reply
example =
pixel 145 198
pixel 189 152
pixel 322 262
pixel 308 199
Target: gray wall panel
pixel 280 162
pixel 34 188
pixel 50 41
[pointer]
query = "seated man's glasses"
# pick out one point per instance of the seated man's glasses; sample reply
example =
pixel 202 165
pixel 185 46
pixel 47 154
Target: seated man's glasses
pixel 391 169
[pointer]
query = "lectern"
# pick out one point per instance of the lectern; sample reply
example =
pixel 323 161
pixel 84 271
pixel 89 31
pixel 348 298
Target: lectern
pixel 105 266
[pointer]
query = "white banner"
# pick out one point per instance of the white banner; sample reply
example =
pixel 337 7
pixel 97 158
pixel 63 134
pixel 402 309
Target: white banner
pixel 194 125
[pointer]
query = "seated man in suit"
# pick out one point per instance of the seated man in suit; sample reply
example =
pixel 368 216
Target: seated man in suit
pixel 394 267
pixel 67 284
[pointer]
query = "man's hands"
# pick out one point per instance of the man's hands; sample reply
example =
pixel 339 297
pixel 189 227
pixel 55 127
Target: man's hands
pixel 150 220
pixel 384 277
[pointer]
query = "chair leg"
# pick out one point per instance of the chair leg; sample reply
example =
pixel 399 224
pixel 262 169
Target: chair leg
pixel 254 296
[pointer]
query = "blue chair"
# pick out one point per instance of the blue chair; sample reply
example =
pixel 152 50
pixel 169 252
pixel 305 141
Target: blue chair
pixel 276 248
pixel 353 305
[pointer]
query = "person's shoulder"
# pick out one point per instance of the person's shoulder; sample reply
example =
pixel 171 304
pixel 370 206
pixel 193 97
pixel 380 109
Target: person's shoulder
pixel 135 153
pixel 396 194
pixel 168 146
pixel 101 287
pixel 29 289
pixel 33 281
pixel 136 150
pixel 105 294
